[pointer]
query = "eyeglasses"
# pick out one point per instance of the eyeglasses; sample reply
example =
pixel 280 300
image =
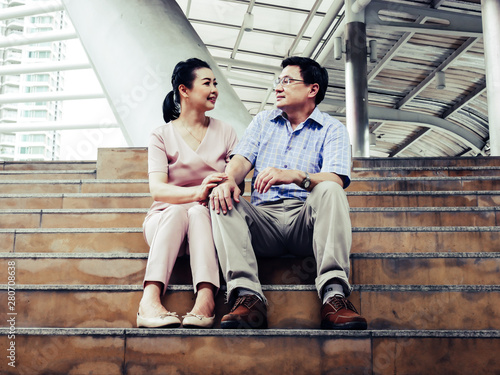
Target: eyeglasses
pixel 285 81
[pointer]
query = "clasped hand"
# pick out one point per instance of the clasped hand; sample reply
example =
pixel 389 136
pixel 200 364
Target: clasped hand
pixel 222 195
pixel 208 183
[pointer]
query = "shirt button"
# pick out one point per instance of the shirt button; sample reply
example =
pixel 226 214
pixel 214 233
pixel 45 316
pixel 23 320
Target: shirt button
pixel 286 166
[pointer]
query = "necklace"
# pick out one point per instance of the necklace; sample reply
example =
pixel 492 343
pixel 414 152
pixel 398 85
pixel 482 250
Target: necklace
pixel 192 135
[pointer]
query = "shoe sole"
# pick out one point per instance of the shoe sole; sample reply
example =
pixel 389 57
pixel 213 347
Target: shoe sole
pixel 175 325
pixel 346 326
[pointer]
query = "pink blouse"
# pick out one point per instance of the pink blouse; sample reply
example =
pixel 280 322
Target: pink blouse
pixel 168 152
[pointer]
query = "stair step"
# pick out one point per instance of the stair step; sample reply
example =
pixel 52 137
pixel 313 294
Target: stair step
pixel 290 306
pixel 445 171
pixel 73 186
pixel 48 175
pixel 46 165
pixel 366 268
pixel 355 198
pixel 360 217
pixel 365 239
pixel 424 216
pixel 117 351
pixel 425 268
pixel 465 183
pixel 73 218
pixel 75 201
pixel 452 198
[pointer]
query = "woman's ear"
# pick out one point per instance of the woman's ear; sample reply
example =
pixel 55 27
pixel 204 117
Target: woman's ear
pixel 183 91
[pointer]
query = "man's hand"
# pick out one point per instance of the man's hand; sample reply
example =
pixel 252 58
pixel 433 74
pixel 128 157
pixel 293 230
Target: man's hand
pixel 273 176
pixel 222 195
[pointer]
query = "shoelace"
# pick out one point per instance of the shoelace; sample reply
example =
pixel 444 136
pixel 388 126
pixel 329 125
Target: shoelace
pixel 339 303
pixel 246 301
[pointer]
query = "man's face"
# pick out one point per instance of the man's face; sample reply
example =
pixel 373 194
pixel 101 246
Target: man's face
pixel 295 93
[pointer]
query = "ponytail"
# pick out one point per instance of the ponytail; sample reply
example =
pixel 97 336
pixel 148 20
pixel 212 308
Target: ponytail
pixel 171 109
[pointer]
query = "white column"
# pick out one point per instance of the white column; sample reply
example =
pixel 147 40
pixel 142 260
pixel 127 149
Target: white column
pixel 490 10
pixel 133 47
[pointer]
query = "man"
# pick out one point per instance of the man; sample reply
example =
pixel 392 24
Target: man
pixel 301 160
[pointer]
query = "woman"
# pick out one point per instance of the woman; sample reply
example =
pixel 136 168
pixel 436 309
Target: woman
pixel 186 158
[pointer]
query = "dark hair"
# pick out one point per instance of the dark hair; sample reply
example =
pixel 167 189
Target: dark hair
pixel 184 74
pixel 311 72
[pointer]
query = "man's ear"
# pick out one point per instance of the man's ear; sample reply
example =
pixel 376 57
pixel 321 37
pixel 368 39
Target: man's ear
pixel 313 90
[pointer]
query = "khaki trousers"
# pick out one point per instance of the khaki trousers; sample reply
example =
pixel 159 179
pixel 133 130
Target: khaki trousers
pixel 319 227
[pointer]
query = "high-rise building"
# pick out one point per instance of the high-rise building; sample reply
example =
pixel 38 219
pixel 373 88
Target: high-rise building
pixel 31 145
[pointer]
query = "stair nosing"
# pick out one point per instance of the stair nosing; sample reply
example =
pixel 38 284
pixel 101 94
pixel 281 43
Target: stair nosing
pixel 354 229
pixel 265 288
pixel 352 209
pixel 271 332
pixel 429 192
pixel 431 255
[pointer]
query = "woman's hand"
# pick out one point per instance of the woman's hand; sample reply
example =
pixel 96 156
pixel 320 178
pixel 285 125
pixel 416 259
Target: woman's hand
pixel 222 196
pixel 207 185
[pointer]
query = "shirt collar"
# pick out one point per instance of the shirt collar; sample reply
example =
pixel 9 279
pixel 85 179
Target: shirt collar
pixel 315 116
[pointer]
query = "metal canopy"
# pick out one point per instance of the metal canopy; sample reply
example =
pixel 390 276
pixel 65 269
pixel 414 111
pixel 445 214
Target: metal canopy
pixel 409 116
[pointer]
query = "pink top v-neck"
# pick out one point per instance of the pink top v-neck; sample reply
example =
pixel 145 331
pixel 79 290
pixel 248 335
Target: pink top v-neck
pixel 169 153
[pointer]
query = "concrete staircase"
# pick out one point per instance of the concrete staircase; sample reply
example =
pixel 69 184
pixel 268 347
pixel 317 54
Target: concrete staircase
pixel 425 268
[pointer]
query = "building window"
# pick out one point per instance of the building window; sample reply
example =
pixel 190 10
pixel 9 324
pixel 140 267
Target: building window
pixel 33 138
pixel 32 150
pixel 35 114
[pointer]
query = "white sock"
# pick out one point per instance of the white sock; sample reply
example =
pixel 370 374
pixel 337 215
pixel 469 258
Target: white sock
pixel 331 290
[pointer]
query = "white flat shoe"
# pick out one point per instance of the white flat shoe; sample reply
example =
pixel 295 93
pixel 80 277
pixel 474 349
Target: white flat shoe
pixel 168 320
pixel 197 321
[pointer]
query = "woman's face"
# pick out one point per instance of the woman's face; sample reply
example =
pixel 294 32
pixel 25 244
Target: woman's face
pixel 203 93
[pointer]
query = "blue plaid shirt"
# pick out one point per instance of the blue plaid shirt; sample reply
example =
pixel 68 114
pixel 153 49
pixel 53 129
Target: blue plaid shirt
pixel 319 144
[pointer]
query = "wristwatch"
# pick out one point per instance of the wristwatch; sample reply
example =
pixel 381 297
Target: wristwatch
pixel 306 182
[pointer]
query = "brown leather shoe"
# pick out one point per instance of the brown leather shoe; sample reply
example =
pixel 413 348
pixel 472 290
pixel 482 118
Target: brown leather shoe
pixel 247 312
pixel 339 313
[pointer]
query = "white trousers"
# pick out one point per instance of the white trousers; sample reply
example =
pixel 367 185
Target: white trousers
pixel 179 229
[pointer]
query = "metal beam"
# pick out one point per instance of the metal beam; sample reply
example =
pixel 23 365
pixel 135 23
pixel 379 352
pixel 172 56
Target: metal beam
pixel 48 96
pixel 249 65
pixel 407 143
pixel 445 64
pixel 463 135
pixel 55 66
pixel 459 24
pixel 30 10
pixel 240 34
pixel 24 39
pixel 50 126
pixel 319 33
pixel 473 95
pixel 304 27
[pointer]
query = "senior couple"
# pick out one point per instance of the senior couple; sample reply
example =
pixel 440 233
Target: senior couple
pixel 301 161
